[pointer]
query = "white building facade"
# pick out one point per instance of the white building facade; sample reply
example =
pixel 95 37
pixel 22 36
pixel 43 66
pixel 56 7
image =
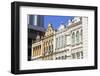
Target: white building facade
pixel 71 41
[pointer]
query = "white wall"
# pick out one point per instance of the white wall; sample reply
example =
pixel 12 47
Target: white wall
pixel 5 39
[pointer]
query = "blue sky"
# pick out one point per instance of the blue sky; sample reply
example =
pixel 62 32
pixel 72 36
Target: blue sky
pixel 56 20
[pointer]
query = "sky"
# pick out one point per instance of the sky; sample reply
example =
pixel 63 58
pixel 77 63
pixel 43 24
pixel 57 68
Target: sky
pixel 56 20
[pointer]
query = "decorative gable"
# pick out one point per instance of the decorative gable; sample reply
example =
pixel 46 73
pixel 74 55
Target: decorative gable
pixel 49 30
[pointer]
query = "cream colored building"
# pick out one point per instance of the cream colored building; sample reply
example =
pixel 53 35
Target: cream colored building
pixel 48 44
pixel 37 49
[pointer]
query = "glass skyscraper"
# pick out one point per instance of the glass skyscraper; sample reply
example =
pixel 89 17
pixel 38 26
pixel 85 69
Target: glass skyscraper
pixel 35 29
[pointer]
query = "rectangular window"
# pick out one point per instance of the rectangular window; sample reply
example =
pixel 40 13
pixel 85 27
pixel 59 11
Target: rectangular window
pixel 78 55
pixel 35 20
pixel 81 54
pixel 56 43
pixel 73 55
pixel 65 40
pixel 62 41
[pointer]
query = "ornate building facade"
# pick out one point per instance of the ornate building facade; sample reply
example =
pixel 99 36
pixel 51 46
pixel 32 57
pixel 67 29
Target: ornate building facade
pixel 48 44
pixel 67 42
pixel 62 43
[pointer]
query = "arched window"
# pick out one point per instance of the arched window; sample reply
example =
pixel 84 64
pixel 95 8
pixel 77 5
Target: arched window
pixel 47 43
pixel 81 54
pixel 56 43
pixel 81 35
pixel 52 47
pixel 44 49
pixel 49 48
pixel 73 38
pixel 73 56
pixel 65 39
pixel 65 56
pixel 62 41
pixel 77 36
pixel 78 55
